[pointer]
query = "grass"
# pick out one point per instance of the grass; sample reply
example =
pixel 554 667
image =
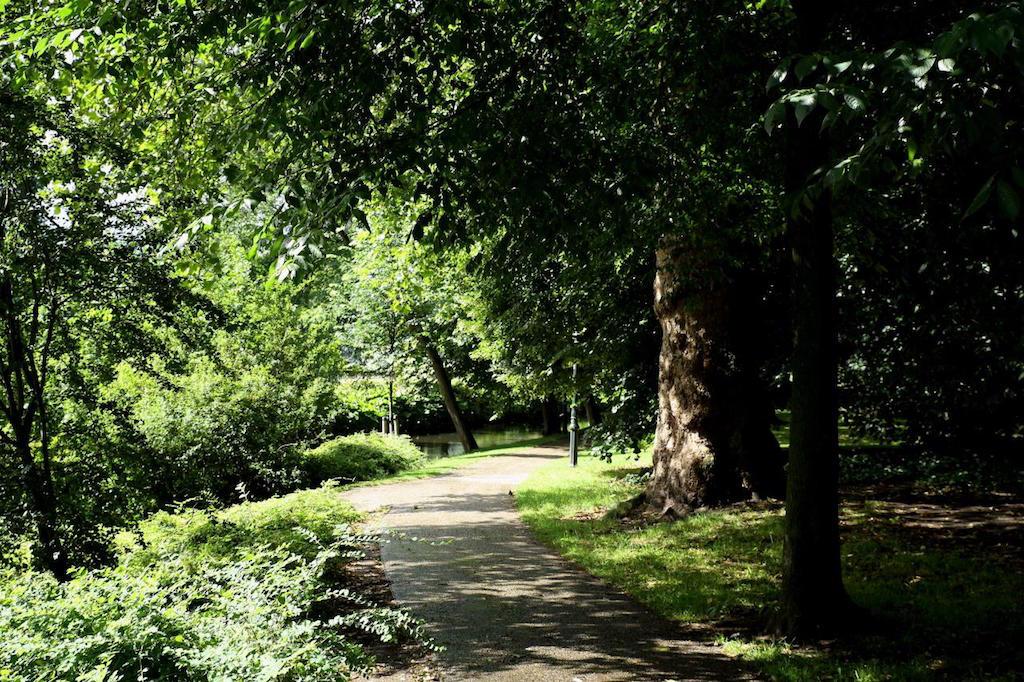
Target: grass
pixel 426 468
pixel 948 614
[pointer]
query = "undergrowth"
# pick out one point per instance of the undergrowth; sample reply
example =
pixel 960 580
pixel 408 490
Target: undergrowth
pixel 253 592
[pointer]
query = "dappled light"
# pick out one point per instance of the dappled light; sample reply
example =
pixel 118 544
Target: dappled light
pixel 533 340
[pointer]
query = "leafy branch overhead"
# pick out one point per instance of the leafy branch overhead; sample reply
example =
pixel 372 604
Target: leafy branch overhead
pixel 907 106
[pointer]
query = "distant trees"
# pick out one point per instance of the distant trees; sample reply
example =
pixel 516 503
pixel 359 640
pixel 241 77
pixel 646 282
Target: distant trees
pixel 405 304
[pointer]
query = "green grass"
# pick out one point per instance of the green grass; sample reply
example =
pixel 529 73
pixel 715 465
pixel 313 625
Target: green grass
pixel 425 468
pixel 947 614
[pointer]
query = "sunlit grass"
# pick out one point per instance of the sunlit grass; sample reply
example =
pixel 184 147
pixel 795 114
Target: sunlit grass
pixel 704 565
pixel 946 614
pixel 442 465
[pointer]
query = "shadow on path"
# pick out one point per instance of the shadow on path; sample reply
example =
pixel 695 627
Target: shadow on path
pixel 506 607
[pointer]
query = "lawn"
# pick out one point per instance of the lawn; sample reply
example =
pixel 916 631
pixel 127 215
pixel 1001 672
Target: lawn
pixel 436 466
pixel 944 611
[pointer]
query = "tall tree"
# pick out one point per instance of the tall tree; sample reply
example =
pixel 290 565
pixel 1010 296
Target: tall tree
pixel 69 237
pixel 406 302
pixel 813 591
pixel 865 110
pixel 511 121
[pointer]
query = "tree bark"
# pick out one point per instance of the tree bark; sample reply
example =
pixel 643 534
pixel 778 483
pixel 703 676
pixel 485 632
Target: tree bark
pixel 24 407
pixel 593 411
pixel 444 383
pixel 814 598
pixel 549 417
pixel 392 426
pixel 713 443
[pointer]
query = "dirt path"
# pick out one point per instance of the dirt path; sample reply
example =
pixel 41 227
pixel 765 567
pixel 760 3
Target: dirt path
pixel 507 608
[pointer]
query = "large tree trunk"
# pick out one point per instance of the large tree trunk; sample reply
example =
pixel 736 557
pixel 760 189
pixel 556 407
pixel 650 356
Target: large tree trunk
pixel 714 443
pixel 444 384
pixel 549 417
pixel 593 411
pixel 815 600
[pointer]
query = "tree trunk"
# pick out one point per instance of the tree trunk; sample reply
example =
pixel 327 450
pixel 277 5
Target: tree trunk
pixel 43 506
pixel 24 407
pixel 815 600
pixel 593 411
pixel 444 383
pixel 713 443
pixel 549 415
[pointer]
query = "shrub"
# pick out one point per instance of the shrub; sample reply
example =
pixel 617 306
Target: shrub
pixel 360 457
pixel 242 594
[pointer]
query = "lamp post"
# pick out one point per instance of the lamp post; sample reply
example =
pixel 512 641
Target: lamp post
pixel 574 425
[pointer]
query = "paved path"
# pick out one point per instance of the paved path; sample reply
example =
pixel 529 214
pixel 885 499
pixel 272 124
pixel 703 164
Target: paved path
pixel 504 606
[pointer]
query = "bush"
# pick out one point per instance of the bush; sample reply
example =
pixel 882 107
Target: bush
pixel 248 593
pixel 360 457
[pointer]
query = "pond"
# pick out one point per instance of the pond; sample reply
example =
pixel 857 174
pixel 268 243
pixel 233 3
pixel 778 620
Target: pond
pixel 448 445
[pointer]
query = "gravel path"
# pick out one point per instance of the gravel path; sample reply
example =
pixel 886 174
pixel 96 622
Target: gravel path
pixel 504 606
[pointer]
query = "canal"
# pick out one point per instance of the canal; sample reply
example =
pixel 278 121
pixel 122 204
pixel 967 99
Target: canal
pixel 447 444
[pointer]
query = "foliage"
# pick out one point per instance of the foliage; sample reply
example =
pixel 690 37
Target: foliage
pixel 491 179
pixel 269 379
pixel 402 295
pixel 970 471
pixel 73 244
pixel 360 457
pixel 921 116
pixel 249 593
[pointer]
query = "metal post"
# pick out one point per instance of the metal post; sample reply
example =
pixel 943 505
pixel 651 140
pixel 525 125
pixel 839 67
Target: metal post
pixel 392 426
pixel 573 423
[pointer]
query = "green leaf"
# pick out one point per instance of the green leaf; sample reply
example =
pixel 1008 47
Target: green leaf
pixel 41 45
pixel 778 75
pixel 919 70
pixel 981 198
pixel 801 110
pixel 1009 202
pixel 308 40
pixel 854 102
pixel 805 66
pixel 1018 176
pixel 774 116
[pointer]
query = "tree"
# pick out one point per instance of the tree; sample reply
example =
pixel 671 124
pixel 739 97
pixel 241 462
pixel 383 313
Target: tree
pixel 651 183
pixel 503 119
pixel 405 302
pixel 813 589
pixel 67 240
pixel 845 70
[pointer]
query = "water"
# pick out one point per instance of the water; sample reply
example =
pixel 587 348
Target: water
pixel 447 444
